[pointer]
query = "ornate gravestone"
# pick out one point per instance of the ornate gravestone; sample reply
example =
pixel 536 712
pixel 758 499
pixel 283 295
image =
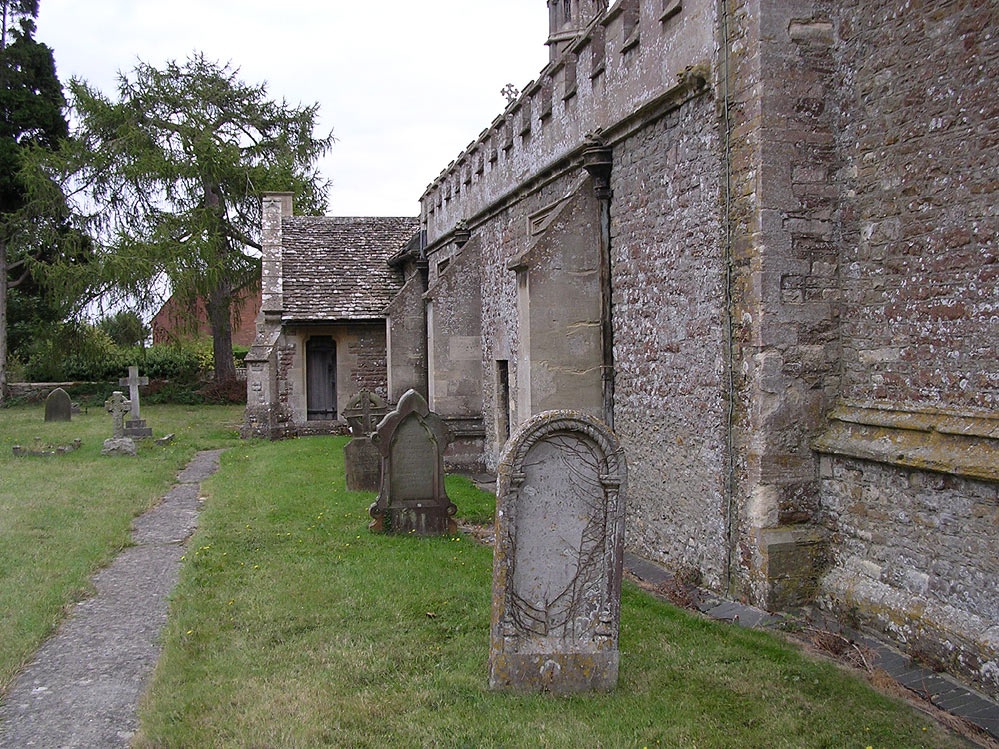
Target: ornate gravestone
pixel 135 426
pixel 558 557
pixel 119 444
pixel 411 441
pixel 362 460
pixel 58 406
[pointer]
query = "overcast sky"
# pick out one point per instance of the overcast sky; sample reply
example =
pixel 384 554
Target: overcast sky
pixel 404 85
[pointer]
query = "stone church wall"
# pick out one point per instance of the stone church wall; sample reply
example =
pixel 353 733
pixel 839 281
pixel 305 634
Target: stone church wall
pixel 669 348
pixel 804 294
pixel 644 88
pixel 909 471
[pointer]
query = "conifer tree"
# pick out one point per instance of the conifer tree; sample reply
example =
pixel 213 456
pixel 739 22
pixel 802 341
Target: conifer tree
pixel 177 166
pixel 31 115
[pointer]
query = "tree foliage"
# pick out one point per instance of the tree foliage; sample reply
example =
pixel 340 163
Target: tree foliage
pixel 31 116
pixel 176 167
pixel 124 328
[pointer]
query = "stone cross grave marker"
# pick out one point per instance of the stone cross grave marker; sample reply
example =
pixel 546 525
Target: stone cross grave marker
pixel 558 557
pixel 135 426
pixel 411 441
pixel 58 406
pixel 362 460
pixel 117 405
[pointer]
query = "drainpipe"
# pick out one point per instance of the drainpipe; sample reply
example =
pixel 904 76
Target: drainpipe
pixel 597 161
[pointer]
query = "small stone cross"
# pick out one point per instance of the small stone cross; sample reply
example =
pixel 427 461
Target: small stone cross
pixel 133 381
pixel 118 406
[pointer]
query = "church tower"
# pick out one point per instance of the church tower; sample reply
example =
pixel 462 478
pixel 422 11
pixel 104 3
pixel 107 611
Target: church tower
pixel 567 19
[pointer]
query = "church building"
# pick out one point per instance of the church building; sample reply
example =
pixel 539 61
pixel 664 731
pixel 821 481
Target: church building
pixel 758 240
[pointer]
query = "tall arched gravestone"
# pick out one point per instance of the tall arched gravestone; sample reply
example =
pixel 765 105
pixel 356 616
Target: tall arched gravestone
pixel 412 498
pixel 556 609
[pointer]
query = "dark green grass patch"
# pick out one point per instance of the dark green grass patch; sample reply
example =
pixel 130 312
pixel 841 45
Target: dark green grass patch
pixel 294 626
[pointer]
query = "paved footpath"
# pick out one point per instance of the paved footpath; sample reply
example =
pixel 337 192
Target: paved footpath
pixel 83 687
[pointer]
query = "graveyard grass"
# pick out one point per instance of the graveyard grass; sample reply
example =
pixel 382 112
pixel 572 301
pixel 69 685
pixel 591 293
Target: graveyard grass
pixel 62 517
pixel 294 626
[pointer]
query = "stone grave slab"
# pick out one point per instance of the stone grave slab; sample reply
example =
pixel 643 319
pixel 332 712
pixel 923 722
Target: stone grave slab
pixel 135 425
pixel 411 499
pixel 58 406
pixel 558 557
pixel 362 460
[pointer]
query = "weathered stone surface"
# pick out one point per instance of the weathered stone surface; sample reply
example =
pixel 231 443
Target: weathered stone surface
pixel 58 406
pixel 558 557
pixel 412 499
pixel 119 446
pixel 362 460
pixel 117 405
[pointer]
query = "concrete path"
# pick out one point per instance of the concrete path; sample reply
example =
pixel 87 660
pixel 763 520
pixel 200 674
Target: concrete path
pixel 83 687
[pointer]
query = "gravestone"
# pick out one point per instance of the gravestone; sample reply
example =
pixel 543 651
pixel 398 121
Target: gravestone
pixel 557 562
pixel 135 425
pixel 58 406
pixel 411 441
pixel 362 461
pixel 119 444
pixel 117 405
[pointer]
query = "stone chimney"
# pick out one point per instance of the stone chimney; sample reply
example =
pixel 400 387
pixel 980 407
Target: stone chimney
pixel 275 206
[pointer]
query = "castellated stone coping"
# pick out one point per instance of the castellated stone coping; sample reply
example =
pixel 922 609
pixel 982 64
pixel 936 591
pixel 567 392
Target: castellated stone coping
pixel 613 67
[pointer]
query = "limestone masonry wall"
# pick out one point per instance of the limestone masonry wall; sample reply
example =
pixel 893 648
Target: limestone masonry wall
pixel 669 348
pixel 800 235
pixel 921 307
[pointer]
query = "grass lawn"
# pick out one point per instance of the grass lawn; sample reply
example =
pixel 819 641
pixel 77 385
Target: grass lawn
pixel 293 626
pixel 63 517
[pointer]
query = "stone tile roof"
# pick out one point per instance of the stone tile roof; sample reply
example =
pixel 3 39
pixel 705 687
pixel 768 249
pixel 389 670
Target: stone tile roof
pixel 336 267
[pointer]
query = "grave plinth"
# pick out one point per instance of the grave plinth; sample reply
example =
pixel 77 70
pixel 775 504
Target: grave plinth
pixel 558 558
pixel 411 499
pixel 362 460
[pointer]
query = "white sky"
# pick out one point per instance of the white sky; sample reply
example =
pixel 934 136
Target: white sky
pixel 405 85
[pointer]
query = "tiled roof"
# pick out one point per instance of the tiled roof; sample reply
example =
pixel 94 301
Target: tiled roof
pixel 336 268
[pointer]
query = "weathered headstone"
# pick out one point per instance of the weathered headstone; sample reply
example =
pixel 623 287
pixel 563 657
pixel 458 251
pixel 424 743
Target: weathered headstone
pixel 119 444
pixel 117 405
pixel 58 406
pixel 558 557
pixel 362 461
pixel 411 441
pixel 135 425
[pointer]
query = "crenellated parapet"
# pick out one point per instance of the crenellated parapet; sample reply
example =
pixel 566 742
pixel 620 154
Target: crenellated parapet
pixel 629 60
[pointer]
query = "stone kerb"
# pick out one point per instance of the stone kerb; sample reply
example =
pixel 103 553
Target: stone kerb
pixel 558 557
pixel 412 498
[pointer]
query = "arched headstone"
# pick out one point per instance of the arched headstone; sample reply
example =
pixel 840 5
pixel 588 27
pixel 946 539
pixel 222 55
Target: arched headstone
pixel 58 406
pixel 558 557
pixel 412 499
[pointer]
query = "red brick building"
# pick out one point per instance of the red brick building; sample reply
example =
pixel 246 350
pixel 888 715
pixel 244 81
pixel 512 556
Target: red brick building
pixel 177 321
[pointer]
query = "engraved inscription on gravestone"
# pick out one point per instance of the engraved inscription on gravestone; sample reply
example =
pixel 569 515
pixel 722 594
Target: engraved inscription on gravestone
pixel 411 441
pixel 558 557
